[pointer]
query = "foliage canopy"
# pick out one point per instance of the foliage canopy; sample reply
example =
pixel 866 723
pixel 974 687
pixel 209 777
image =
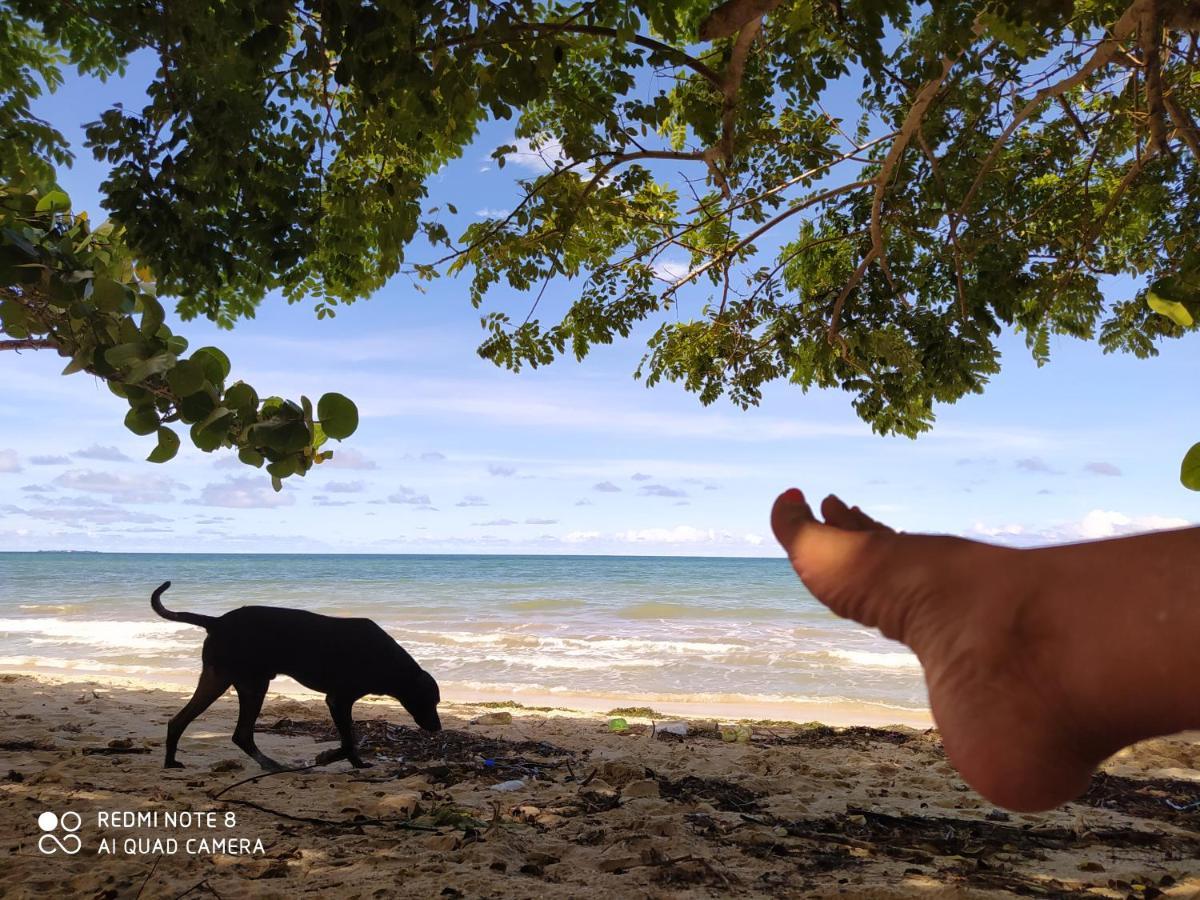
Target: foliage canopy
pixel 1004 163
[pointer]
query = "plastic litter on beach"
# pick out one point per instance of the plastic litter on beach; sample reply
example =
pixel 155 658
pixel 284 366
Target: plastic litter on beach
pixel 679 728
pixel 515 785
pixel 496 718
pixel 736 734
pixel 618 725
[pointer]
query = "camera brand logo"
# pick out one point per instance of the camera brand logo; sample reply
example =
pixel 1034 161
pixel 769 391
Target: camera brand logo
pixel 50 843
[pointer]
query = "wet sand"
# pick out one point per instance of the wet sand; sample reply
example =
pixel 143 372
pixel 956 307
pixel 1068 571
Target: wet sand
pixel 796 811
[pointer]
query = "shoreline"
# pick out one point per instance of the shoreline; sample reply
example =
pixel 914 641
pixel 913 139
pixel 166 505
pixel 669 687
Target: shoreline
pixel 838 713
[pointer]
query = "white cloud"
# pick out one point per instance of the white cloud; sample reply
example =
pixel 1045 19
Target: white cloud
pixel 581 537
pixel 538 155
pixel 1103 523
pixel 677 536
pixel 50 460
pixel 501 471
pixel 344 487
pixel 606 487
pixel 495 522
pixel 120 488
pixel 78 512
pixel 670 270
pixel 1095 525
pixel 9 461
pixel 322 500
pixel 1102 468
pixel 1034 464
pixel 251 492
pixel 472 500
pixel 489 213
pixel 103 454
pixel 661 490
pixel 350 459
pixel 409 496
pixel 541 521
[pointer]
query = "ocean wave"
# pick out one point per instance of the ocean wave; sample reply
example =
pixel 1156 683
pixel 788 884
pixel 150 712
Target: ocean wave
pixel 544 604
pixel 658 609
pixel 586 644
pixel 84 666
pixel 877 660
pixel 108 634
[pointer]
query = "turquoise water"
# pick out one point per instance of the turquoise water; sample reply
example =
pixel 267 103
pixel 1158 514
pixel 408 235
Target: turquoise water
pixel 639 628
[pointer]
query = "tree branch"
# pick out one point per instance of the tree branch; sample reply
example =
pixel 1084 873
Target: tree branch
pixel 29 344
pixel 761 230
pixel 1108 50
pixel 912 122
pixel 736 70
pixel 672 53
pixel 732 16
pixel 1184 125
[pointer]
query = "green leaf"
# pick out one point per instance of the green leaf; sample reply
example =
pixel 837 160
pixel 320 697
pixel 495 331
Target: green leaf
pixel 78 364
pixel 108 295
pixel 152 315
pixel 282 437
pixel 221 359
pixel 123 355
pixel 1172 309
pixel 283 468
pixel 209 364
pixel 185 377
pixel 1189 472
pixel 210 433
pixel 241 397
pixel 142 420
pixel 155 365
pixel 168 446
pixel 53 201
pixel 251 457
pixel 195 407
pixel 276 483
pixel 338 415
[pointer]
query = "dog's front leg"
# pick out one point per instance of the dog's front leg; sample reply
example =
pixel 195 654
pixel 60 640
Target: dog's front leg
pixel 339 708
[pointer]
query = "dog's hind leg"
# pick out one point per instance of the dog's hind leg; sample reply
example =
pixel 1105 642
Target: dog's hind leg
pixel 251 693
pixel 339 708
pixel 211 686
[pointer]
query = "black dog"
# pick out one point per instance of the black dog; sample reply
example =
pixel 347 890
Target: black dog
pixel 345 659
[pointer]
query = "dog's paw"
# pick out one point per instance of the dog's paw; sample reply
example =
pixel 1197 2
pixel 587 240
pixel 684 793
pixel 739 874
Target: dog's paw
pixel 173 764
pixel 325 757
pixel 359 764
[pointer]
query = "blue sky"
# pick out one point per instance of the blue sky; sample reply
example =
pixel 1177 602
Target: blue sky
pixel 454 455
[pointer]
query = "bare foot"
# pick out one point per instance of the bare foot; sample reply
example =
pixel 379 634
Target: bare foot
pixel 993 653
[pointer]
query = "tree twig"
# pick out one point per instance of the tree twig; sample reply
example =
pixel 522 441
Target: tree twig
pixel 29 344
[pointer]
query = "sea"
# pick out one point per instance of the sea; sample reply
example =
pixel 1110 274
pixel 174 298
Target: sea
pixel 583 632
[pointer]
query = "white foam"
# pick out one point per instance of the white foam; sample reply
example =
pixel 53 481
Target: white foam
pixel 111 634
pixel 892 660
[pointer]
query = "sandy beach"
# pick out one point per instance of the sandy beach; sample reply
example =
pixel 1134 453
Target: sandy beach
pixel 796 811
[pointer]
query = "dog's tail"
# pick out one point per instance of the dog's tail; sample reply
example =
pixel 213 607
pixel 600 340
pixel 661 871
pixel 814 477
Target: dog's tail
pixel 190 618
